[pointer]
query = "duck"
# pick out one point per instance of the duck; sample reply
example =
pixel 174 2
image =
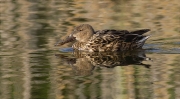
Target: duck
pixel 108 40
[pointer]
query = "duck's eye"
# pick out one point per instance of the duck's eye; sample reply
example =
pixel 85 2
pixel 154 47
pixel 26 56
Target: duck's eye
pixel 80 30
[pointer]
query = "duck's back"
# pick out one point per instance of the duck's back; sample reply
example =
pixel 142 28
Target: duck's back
pixel 116 40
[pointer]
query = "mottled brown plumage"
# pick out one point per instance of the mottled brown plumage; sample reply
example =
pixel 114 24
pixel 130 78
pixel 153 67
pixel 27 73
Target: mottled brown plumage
pixel 105 40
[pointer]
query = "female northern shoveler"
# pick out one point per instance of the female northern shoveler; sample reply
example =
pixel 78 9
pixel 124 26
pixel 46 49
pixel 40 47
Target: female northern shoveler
pixel 105 40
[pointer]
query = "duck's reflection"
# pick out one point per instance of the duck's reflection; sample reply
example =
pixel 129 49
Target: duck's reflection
pixel 83 63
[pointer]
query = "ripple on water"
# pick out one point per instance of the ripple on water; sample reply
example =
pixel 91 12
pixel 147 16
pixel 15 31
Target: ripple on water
pixel 156 48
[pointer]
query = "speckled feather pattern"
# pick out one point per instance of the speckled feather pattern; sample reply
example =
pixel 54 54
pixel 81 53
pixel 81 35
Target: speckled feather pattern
pixel 112 40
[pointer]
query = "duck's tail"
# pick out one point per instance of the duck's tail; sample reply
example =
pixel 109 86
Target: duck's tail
pixel 141 42
pixel 143 39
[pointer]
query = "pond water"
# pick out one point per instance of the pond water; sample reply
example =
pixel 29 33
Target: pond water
pixel 31 67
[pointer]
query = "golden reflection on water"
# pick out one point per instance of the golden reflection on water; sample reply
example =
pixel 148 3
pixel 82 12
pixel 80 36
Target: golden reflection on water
pixel 30 28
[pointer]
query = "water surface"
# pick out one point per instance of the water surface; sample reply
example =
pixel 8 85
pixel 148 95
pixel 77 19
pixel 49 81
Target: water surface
pixel 32 68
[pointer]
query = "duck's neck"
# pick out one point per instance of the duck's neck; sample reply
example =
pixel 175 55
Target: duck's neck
pixel 85 36
pixel 88 35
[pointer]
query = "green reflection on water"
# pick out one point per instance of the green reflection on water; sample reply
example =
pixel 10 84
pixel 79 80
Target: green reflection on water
pixel 29 69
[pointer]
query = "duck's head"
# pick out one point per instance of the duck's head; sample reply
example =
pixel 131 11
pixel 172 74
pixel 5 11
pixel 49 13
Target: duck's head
pixel 81 33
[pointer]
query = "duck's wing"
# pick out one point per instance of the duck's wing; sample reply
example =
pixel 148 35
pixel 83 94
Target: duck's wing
pixel 140 32
pixel 136 36
pixel 122 35
pixel 112 32
pixel 113 40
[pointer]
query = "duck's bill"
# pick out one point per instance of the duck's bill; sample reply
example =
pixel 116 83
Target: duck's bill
pixel 67 40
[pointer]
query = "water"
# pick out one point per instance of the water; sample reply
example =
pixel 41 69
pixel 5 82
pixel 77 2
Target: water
pixel 32 68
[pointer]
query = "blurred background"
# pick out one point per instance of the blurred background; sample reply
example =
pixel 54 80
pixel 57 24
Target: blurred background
pixel 29 68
